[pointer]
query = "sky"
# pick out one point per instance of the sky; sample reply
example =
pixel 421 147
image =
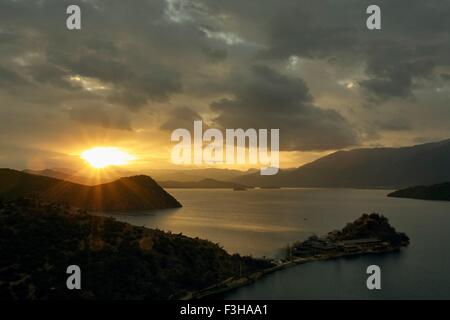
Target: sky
pixel 139 69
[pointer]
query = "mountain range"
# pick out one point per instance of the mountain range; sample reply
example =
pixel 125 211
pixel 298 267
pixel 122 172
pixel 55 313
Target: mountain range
pixel 366 168
pixel 196 183
pixel 388 168
pixel 125 194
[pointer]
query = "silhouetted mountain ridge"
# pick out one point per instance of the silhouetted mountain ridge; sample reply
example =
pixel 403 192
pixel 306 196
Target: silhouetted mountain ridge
pixel 80 177
pixel 367 168
pixel 125 194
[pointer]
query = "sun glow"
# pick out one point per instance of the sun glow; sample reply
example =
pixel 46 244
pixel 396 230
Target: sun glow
pixel 101 157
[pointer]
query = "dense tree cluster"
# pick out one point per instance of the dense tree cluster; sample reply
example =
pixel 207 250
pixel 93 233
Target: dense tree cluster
pixel 370 226
pixel 38 241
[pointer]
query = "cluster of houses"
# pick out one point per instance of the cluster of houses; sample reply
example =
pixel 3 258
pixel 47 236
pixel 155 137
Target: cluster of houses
pixel 319 246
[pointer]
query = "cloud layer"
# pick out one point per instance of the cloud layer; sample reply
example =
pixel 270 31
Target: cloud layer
pixel 310 68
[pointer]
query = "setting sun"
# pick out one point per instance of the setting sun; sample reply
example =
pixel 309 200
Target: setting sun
pixel 101 157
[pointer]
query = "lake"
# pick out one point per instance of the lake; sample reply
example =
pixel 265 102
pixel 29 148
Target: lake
pixel 261 222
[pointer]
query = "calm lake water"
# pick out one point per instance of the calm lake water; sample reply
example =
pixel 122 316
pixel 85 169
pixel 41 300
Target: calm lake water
pixel 261 222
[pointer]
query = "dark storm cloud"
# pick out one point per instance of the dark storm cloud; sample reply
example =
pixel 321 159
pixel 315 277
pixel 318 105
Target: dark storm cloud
pixel 392 71
pixel 412 44
pixel 182 117
pixel 303 30
pixel 395 124
pixel 397 84
pixel 10 78
pixel 133 48
pixel 215 55
pixel 134 86
pixel 118 38
pixel 157 84
pixel 264 98
pixel 48 74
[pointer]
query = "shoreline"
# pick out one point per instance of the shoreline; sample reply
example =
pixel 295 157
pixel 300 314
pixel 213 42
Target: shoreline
pixel 238 282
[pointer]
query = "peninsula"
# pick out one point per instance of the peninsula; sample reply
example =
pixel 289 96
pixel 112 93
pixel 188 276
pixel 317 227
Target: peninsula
pixel 369 234
pixel 439 192
pixel 119 261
